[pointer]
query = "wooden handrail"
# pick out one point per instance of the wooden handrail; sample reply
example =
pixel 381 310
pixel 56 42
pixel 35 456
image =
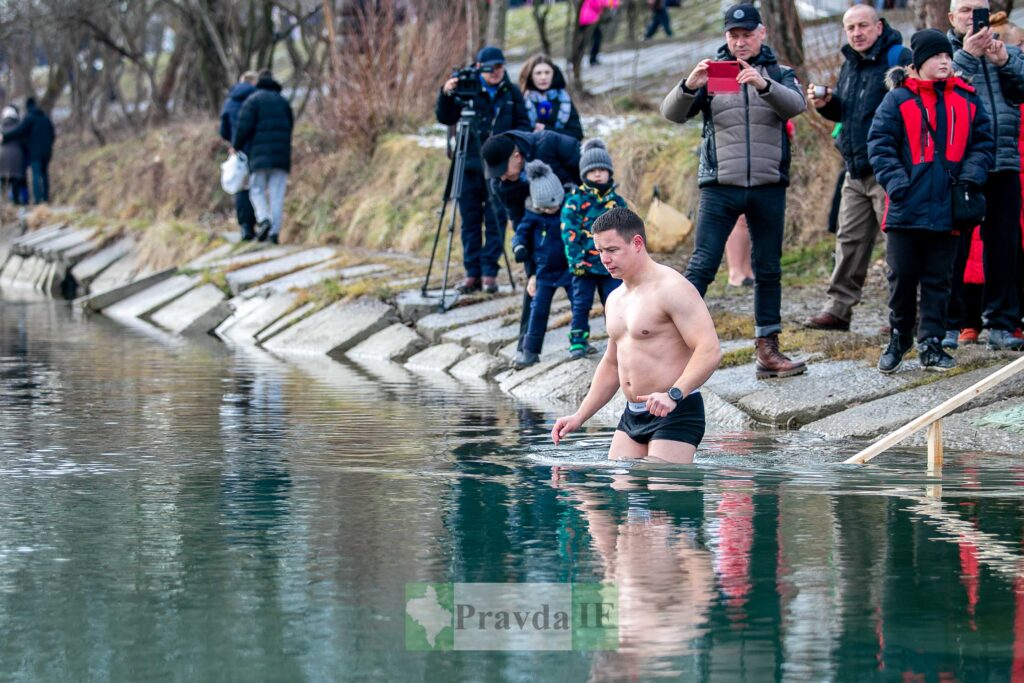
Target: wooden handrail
pixel 937 413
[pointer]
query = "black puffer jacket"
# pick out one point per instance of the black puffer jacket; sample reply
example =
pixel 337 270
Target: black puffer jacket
pixel 858 94
pixel 560 152
pixel 504 112
pixel 265 128
pixel 36 132
pixel 233 107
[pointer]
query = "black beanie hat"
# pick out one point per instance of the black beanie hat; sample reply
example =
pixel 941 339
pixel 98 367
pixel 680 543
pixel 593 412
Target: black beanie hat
pixel 928 43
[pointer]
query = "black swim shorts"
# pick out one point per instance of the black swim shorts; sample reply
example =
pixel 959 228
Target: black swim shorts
pixel 685 423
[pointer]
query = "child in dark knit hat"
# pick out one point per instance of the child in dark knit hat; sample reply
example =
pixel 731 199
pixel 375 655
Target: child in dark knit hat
pixel 538 243
pixel 930 138
pixel 593 198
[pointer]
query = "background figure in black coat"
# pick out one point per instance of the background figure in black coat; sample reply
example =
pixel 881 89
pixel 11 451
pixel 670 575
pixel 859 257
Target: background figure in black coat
pixel 228 124
pixel 499 107
pixel 265 133
pixel 36 133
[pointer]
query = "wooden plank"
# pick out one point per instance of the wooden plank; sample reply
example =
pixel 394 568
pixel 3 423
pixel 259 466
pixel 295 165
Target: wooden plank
pixel 935 447
pixel 937 412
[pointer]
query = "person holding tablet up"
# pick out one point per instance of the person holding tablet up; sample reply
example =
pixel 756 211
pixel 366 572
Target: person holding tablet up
pixel 745 98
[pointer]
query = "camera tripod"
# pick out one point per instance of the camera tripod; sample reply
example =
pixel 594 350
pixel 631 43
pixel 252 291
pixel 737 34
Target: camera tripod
pixel 464 129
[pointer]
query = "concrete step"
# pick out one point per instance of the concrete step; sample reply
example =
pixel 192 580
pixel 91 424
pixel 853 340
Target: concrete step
pixel 244 278
pixel 333 330
pixel 198 311
pixel 150 299
pixel 395 343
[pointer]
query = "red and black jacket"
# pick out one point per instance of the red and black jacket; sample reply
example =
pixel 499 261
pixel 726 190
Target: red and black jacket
pixel 902 148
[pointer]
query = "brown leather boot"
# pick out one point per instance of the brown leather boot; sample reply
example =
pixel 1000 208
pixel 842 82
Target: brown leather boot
pixel 771 362
pixel 827 321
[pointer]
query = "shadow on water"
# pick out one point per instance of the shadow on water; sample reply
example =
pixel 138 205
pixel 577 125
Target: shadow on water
pixel 190 511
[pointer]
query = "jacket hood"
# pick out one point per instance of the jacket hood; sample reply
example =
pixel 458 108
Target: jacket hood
pixel 268 84
pixel 765 58
pixel 899 77
pixel 880 49
pixel 242 90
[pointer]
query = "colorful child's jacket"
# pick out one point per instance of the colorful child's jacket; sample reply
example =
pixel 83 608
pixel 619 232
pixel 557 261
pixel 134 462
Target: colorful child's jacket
pixel 581 209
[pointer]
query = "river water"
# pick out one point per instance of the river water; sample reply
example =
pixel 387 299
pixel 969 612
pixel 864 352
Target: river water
pixel 181 510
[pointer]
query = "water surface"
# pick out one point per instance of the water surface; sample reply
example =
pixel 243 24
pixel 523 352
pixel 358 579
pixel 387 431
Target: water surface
pixel 181 510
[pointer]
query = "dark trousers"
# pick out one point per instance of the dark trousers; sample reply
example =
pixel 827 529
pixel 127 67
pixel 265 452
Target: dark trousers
pixel 595 43
pixel 40 180
pixel 540 309
pixel 583 288
pixel 1001 234
pixel 958 316
pixel 659 18
pixel 919 258
pixel 765 209
pixel 480 254
pixel 243 211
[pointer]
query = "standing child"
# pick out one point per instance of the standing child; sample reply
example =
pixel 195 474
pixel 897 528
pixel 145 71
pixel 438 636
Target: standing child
pixel 539 240
pixel 589 201
pixel 929 133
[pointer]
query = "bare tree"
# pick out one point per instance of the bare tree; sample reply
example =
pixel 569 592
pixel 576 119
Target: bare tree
pixel 541 9
pixel 785 33
pixel 496 23
pixel 931 14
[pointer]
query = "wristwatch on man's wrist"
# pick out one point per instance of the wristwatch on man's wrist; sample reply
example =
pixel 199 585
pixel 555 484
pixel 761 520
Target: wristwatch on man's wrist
pixel 676 394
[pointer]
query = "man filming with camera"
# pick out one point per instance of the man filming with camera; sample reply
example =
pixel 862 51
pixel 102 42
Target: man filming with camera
pixel 498 107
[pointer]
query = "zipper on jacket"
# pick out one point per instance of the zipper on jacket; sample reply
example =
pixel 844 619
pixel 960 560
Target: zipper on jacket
pixel 746 115
pixel 952 126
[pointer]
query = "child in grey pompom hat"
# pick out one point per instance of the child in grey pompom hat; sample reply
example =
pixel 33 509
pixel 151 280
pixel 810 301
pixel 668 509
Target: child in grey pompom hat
pixel 546 190
pixel 594 154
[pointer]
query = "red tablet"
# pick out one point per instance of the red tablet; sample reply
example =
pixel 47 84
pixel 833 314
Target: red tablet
pixel 722 77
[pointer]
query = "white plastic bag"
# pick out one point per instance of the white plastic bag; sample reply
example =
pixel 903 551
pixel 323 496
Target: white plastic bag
pixel 234 173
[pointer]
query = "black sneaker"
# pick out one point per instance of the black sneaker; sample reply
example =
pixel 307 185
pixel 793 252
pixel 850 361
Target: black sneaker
pixel 932 357
pixel 525 359
pixel 264 231
pixel 248 234
pixel 892 357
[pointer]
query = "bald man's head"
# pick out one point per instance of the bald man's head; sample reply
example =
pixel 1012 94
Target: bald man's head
pixel 863 27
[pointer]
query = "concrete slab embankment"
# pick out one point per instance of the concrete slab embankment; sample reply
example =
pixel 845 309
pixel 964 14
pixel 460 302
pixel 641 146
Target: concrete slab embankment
pixel 333 330
pixel 198 311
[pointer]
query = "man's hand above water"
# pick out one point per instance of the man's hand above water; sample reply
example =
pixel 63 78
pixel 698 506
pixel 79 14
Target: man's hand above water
pixel 564 426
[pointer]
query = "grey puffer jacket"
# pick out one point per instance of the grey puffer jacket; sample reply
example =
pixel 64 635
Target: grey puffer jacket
pixel 994 84
pixel 744 140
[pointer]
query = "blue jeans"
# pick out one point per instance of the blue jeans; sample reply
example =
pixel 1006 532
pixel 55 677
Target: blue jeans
pixel 266 192
pixel 583 288
pixel 541 308
pixel 40 181
pixel 765 209
pixel 481 255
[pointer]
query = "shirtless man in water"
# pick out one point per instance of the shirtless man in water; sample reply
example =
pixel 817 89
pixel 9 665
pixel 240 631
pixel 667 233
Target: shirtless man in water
pixel 662 347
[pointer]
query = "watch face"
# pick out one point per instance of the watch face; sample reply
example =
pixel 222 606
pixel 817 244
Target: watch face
pixel 675 393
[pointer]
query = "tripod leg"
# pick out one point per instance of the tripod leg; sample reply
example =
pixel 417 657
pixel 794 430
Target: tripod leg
pixel 437 233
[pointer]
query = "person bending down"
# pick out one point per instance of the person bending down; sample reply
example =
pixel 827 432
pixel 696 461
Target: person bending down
pixel 662 347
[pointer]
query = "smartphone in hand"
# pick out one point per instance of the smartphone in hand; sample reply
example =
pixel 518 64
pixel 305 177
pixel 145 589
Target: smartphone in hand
pixel 722 77
pixel 979 17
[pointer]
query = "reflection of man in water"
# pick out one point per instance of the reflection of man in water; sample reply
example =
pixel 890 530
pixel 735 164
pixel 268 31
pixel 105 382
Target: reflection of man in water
pixel 664 577
pixel 662 347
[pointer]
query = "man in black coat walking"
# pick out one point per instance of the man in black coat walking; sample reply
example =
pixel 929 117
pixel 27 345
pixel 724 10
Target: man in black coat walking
pixel 36 132
pixel 499 107
pixel 265 134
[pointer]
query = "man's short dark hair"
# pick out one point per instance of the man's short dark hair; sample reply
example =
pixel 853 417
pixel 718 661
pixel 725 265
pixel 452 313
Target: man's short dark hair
pixel 623 221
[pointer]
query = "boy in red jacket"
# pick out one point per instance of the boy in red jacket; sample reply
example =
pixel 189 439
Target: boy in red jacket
pixel 929 132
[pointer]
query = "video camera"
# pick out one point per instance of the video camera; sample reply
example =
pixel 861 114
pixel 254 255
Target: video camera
pixel 469 85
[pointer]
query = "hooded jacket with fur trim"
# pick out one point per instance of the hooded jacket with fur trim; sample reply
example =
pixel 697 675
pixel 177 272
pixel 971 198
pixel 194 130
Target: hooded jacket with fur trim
pixel 902 148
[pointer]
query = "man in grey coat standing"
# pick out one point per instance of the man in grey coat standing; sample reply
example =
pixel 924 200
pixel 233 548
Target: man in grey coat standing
pixel 997 73
pixel 744 170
